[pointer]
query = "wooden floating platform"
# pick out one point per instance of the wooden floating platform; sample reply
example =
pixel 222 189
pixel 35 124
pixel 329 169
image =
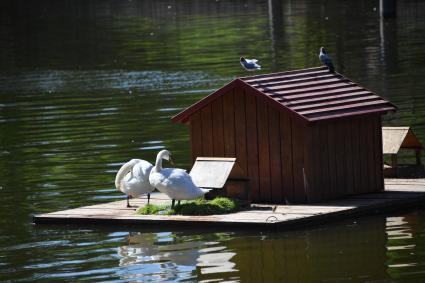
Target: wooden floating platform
pixel 399 193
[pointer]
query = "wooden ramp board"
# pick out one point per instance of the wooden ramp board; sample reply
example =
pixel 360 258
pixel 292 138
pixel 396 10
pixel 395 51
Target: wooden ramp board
pixel 399 193
pixel 211 172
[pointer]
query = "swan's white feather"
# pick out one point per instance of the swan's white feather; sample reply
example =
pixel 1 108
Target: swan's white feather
pixel 174 182
pixel 133 178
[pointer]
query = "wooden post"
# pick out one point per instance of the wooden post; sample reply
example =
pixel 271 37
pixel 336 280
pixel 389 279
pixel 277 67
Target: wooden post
pixel 418 156
pixel 388 8
pixel 394 160
pixel 276 25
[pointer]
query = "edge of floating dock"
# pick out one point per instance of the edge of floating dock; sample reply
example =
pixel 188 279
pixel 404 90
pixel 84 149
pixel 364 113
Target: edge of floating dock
pixel 399 193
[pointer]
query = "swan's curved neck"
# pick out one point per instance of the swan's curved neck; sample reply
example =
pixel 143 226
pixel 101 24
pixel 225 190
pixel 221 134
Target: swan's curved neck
pixel 123 171
pixel 158 163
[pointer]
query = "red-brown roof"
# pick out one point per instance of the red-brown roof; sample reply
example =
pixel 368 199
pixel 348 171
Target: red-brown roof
pixel 310 94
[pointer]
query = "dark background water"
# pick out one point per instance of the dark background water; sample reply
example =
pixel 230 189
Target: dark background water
pixel 88 85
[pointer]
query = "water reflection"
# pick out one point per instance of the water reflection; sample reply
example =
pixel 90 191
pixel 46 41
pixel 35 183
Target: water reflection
pixel 176 255
pixel 405 242
pixel 376 249
pixel 331 254
pixel 365 250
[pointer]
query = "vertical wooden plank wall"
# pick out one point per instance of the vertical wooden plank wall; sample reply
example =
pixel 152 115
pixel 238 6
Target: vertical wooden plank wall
pixel 275 157
pixel 286 157
pixel 347 158
pixel 252 145
pixel 298 169
pixel 332 160
pixel 224 129
pixel 309 168
pixel 261 138
pixel 287 161
pixel 342 178
pixel 263 152
pixel 323 164
pixel 348 153
pixel 314 173
pixel 229 124
pixel 320 158
pixel 338 158
pixel 240 129
pixel 355 158
pixel 379 158
pixel 195 135
pixel 218 127
pixel 363 165
pixel 370 155
pixel 368 152
pixel 207 131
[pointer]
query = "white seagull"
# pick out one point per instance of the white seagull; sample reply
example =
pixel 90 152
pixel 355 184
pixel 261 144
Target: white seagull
pixel 326 60
pixel 250 64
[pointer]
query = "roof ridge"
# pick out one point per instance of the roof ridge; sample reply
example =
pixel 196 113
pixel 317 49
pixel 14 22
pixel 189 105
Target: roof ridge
pixel 297 71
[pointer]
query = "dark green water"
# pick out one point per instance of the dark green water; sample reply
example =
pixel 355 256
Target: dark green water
pixel 88 85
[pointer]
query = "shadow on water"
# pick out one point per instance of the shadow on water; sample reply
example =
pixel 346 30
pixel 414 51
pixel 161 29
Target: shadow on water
pixel 88 85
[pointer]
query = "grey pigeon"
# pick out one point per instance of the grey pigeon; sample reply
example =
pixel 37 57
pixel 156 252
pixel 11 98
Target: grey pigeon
pixel 326 60
pixel 250 64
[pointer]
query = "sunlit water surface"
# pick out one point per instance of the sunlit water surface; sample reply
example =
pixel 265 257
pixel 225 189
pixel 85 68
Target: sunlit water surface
pixel 88 85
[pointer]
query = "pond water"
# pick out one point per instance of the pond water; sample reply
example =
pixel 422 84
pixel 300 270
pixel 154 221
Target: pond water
pixel 88 85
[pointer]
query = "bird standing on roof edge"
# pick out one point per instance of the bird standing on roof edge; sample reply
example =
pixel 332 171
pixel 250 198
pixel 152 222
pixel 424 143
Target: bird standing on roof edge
pixel 326 60
pixel 250 64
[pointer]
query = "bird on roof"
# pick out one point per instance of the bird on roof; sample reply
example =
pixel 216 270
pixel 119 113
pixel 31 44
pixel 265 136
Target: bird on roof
pixel 250 64
pixel 326 60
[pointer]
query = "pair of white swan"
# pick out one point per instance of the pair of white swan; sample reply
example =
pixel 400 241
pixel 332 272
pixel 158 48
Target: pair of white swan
pixel 138 177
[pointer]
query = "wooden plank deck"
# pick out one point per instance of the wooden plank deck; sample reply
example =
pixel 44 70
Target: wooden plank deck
pixel 399 193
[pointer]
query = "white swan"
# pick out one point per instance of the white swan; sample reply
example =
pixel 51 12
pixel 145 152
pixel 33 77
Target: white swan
pixel 133 179
pixel 174 182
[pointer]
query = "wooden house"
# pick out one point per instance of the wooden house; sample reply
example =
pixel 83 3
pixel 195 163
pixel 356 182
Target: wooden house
pixel 299 136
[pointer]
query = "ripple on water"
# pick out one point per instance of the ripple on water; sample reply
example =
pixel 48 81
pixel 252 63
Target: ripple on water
pixel 53 81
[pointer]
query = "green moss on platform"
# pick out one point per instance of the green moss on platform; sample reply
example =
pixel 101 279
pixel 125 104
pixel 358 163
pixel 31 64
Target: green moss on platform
pixel 153 209
pixel 219 205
